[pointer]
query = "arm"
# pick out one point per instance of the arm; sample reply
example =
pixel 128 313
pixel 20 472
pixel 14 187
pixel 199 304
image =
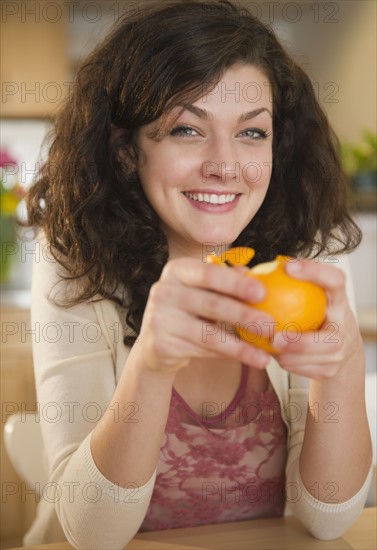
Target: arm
pixel 75 370
pixel 333 465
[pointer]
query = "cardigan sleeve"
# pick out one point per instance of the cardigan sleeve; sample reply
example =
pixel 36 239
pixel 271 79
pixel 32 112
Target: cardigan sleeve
pixel 75 380
pixel 324 520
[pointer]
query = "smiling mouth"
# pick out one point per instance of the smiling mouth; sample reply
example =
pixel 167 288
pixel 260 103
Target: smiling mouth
pixel 211 198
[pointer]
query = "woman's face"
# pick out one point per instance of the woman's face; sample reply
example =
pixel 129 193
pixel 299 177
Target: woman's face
pixel 208 176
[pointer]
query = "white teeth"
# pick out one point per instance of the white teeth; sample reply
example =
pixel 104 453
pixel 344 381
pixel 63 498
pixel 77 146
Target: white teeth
pixel 212 198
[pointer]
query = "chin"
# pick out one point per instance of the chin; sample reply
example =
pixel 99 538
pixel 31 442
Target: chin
pixel 218 240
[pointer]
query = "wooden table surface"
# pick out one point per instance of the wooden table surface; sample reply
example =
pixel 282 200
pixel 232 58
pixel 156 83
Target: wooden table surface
pixel 267 534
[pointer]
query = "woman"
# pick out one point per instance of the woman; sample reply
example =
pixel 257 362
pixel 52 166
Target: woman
pixel 192 130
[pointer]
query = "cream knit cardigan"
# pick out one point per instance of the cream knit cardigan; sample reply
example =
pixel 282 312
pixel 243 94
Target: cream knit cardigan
pixel 78 359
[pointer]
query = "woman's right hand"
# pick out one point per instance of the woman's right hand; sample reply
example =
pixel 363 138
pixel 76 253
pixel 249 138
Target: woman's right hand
pixel 190 314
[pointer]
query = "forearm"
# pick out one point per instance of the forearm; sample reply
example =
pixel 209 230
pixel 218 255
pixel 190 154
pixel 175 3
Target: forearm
pixel 92 512
pixel 126 442
pixel 336 452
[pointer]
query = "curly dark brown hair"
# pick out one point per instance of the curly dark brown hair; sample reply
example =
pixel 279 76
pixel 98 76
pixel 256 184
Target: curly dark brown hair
pixel 89 201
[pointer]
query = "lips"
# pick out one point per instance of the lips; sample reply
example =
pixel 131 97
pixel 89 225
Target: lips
pixel 212 201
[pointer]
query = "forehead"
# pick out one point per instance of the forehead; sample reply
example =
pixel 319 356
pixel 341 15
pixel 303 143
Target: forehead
pixel 244 85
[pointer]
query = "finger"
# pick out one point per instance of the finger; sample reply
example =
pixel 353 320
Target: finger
pixel 218 307
pixel 327 340
pixel 206 339
pixel 313 371
pixel 214 277
pixel 289 361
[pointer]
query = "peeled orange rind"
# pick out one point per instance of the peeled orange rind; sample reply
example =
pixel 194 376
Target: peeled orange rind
pixel 239 255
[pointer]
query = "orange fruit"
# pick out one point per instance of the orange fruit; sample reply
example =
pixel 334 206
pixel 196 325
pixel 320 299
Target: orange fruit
pixel 294 304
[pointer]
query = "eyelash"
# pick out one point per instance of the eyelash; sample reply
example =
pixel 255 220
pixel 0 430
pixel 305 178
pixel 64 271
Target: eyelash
pixel 181 131
pixel 262 134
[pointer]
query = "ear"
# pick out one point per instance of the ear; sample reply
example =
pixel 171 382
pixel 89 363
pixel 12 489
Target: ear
pixel 121 144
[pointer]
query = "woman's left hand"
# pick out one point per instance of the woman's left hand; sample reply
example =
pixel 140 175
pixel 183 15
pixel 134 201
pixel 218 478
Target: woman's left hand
pixel 336 348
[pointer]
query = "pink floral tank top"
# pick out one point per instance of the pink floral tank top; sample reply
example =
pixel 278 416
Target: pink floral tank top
pixel 224 465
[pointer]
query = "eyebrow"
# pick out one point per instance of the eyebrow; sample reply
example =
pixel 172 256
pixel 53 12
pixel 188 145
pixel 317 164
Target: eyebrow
pixel 202 113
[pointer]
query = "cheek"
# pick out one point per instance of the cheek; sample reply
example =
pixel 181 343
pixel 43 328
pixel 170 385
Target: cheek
pixel 257 173
pixel 167 167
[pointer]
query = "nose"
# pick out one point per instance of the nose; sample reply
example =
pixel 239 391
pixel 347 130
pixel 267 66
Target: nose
pixel 222 163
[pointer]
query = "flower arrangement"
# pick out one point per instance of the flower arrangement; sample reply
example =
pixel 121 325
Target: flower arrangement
pixel 11 193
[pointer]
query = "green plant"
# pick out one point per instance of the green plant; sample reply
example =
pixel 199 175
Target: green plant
pixel 362 156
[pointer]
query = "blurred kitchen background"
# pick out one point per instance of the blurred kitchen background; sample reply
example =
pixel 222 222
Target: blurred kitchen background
pixel 43 43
